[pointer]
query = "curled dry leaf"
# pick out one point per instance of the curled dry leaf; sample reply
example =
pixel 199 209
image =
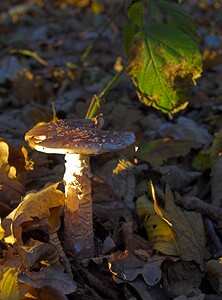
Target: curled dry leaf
pixel 125 266
pixel 38 252
pixel 198 205
pixel 100 283
pixel 50 276
pixel 37 209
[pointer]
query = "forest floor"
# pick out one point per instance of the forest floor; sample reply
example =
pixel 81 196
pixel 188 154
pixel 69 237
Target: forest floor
pixel 166 245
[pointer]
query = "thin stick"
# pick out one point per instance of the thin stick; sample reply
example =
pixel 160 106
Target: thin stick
pixel 96 100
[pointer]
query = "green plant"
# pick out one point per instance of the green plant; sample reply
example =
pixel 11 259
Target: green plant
pixel 163 56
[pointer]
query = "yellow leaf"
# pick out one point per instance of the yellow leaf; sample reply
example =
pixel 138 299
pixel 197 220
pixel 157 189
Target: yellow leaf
pixel 29 164
pixel 159 233
pixel 9 289
pixel 38 209
pixel 4 153
pixel 156 207
pixel 2 231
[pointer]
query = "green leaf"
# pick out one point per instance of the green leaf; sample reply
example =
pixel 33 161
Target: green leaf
pixel 128 36
pixel 174 15
pixel 135 15
pixel 164 63
pixel 9 289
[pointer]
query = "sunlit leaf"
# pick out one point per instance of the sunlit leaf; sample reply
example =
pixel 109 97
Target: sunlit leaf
pixel 9 289
pixel 164 66
pixel 160 234
pixel 41 208
pixel 2 231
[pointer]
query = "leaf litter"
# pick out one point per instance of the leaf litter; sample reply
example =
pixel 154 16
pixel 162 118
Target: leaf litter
pixel 163 248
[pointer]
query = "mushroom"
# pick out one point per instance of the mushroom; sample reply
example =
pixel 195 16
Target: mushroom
pixel 77 139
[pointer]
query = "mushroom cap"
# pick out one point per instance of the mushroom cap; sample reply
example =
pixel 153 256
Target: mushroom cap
pixel 76 136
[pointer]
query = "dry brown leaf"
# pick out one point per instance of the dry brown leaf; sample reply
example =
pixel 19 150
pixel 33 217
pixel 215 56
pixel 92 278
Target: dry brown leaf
pixel 119 120
pixel 157 151
pixel 198 205
pixel 184 278
pixel 146 292
pixel 37 209
pixel 38 252
pixel 176 177
pixel 105 204
pixel 189 229
pixel 11 190
pixel 125 266
pixel 185 288
pixel 119 175
pixel 50 276
pixel 48 292
pixel 214 267
pixel 186 130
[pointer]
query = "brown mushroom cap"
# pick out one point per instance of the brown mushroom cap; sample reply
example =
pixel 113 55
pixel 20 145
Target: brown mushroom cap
pixel 76 136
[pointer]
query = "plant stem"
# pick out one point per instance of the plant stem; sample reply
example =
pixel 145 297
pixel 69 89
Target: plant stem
pixel 96 100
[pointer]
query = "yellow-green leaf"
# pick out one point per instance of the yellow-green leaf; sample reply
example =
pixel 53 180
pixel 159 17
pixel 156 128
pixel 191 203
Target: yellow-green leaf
pixel 160 234
pixel 9 288
pixel 164 64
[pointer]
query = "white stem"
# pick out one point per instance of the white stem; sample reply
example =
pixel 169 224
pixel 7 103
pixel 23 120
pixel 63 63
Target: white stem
pixel 78 222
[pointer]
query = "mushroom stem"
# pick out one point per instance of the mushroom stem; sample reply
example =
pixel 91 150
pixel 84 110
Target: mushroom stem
pixel 78 222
